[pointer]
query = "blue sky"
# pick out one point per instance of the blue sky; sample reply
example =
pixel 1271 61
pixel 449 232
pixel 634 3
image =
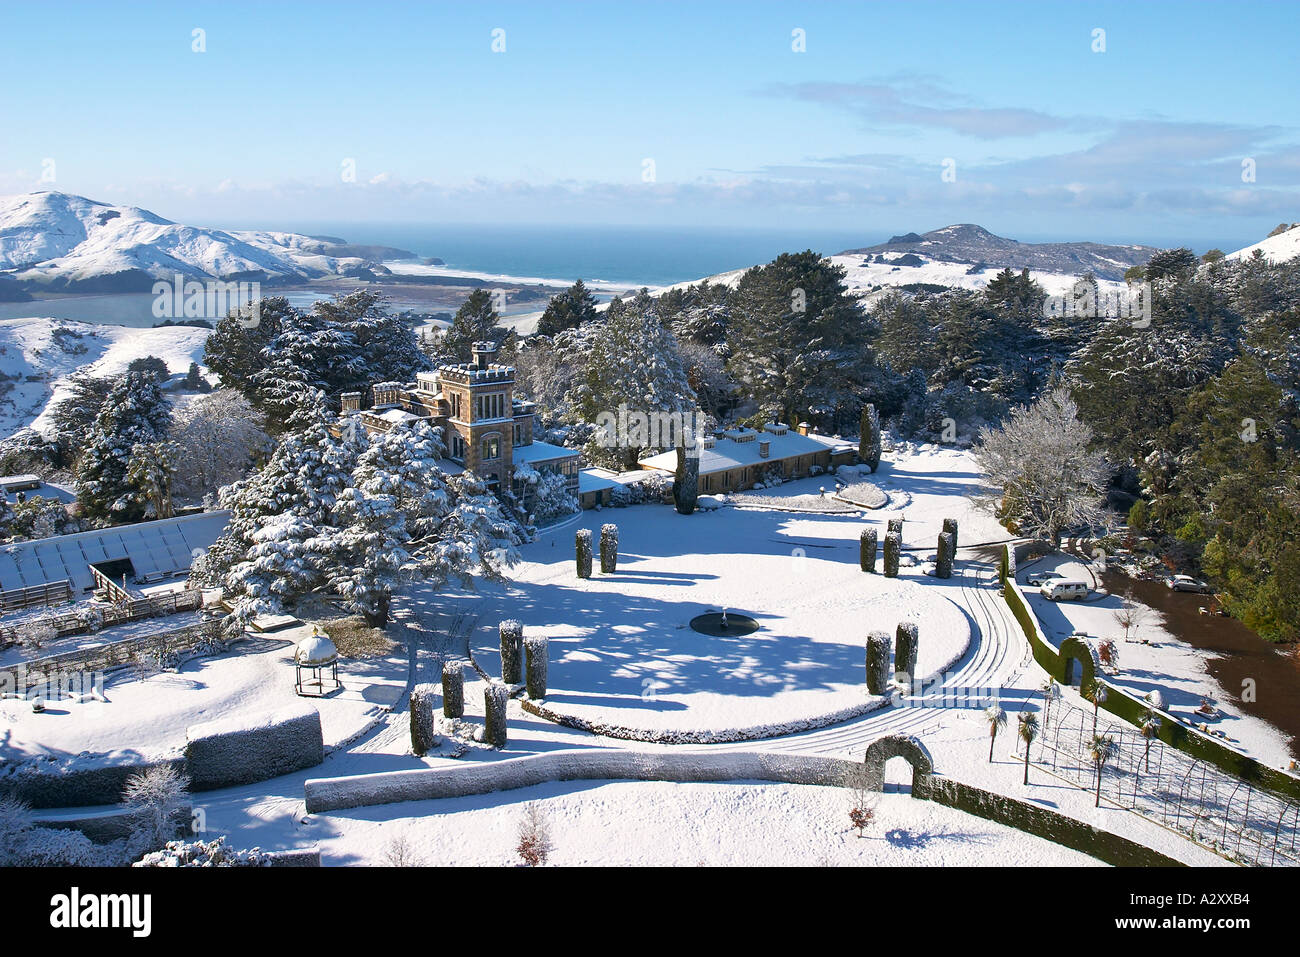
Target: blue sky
pixel 1047 138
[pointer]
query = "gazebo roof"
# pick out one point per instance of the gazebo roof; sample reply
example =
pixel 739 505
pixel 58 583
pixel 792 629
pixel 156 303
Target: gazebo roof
pixel 315 650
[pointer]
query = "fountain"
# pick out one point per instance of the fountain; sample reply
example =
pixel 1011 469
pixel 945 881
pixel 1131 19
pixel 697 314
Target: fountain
pixel 724 624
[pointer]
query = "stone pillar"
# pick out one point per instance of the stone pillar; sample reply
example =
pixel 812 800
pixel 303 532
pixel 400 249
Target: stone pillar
pixel 453 689
pixel 495 697
pixel 878 662
pixel 867 549
pixel 538 647
pixel 512 652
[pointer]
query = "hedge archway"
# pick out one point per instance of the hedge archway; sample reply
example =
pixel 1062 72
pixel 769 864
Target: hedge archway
pixel 1077 654
pixel 897 746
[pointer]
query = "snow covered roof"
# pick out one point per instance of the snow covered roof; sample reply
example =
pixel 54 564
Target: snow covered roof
pixel 397 416
pixel 157 549
pixel 315 649
pixel 737 448
pixel 542 452
pixel 590 481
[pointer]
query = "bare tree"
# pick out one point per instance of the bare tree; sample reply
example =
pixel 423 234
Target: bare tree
pixel 862 813
pixel 400 853
pixel 156 795
pixel 1131 615
pixel 534 837
pixel 1040 471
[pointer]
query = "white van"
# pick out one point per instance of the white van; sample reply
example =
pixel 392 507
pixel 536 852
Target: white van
pixel 1064 589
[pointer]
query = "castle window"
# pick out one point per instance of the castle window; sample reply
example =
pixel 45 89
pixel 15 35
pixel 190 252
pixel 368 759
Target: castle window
pixel 519 434
pixel 490 448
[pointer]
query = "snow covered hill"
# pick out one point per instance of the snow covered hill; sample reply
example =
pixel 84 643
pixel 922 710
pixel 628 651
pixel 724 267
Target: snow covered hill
pixel 38 356
pixel 1276 249
pixel 52 241
pixel 967 257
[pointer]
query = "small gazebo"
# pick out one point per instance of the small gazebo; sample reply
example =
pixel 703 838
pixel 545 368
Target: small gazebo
pixel 315 655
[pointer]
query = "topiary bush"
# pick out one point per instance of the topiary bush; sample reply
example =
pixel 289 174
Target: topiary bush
pixel 582 546
pixel 906 646
pixel 512 651
pixel 950 525
pixel 867 549
pixel 495 697
pixel 893 549
pixel 869 441
pixel 943 561
pixel 877 662
pixel 895 525
pixel 423 737
pixel 453 689
pixel 538 652
pixel 608 549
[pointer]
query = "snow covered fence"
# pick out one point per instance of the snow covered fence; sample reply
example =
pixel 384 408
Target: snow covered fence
pixel 250 748
pixel 364 790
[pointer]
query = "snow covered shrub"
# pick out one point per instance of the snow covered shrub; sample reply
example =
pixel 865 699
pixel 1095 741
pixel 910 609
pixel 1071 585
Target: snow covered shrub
pixel 867 549
pixel 893 550
pixel 157 795
pixel 512 651
pixel 906 646
pixel 895 525
pixel 582 544
pixel 15 823
pixel 534 837
pixel 943 561
pixel 877 662
pixel 204 854
pixel 608 549
pixel 423 737
pixel 686 483
pixel 400 853
pixel 552 499
pixel 538 652
pixel 950 525
pixel 861 813
pixel 58 847
pixel 453 689
pixel 495 697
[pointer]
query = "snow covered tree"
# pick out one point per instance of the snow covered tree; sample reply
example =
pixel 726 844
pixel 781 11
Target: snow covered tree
pixel 867 549
pixel 869 441
pixel 135 412
pixel 476 320
pixel 156 796
pixel 548 494
pixel 633 362
pixel 582 552
pixel 73 416
pixel 151 471
pixel 512 651
pixel 567 310
pixel 1042 472
pixel 996 718
pixel 608 549
pixel 1102 749
pixel 234 349
pixel 218 436
pixel 535 845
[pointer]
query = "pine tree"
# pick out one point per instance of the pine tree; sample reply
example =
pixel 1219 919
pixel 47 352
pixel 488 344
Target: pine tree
pixel 567 310
pixel 476 320
pixel 135 412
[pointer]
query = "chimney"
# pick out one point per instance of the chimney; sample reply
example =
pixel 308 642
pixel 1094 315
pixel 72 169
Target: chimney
pixel 764 448
pixel 351 401
pixel 484 353
pixel 804 428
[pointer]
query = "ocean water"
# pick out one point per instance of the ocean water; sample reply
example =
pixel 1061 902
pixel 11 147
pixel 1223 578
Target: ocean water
pixel 643 255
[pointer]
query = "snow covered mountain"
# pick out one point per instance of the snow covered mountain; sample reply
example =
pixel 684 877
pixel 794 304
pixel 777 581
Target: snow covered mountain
pixel 57 242
pixel 1276 249
pixel 970 245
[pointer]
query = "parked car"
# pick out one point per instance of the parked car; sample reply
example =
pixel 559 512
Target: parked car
pixel 1041 578
pixel 1187 583
pixel 1064 589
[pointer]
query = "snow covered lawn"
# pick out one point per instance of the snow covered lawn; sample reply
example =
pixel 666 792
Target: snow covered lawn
pixel 662 824
pixel 622 651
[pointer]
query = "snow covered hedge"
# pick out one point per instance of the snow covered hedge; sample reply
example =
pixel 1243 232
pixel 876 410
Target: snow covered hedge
pixel 217 854
pixel 256 747
pixel 82 780
pixel 363 790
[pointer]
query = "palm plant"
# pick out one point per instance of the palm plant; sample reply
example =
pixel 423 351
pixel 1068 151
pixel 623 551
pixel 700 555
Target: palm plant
pixel 1028 731
pixel 1051 692
pixel 1102 750
pixel 997 719
pixel 1150 728
pixel 1097 694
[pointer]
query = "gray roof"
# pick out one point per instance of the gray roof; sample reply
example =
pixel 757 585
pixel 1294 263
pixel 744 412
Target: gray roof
pixel 157 550
pixel 727 453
